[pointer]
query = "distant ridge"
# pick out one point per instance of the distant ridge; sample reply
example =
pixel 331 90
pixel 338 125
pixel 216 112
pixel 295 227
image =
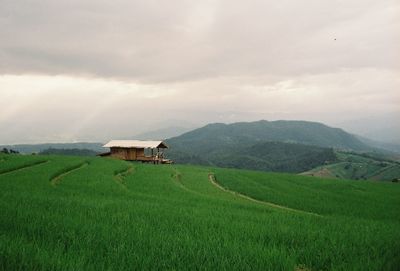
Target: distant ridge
pixel 36 148
pixel 303 132
pixel 267 145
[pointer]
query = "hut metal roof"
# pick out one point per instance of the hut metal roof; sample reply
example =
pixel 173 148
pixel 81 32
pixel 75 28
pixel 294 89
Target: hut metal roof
pixel 135 144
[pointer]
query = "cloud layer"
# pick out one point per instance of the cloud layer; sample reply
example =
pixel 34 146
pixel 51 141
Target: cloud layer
pixel 187 40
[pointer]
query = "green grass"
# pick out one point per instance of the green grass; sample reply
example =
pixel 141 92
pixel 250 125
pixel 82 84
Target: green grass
pixel 173 217
pixel 8 164
pixel 321 196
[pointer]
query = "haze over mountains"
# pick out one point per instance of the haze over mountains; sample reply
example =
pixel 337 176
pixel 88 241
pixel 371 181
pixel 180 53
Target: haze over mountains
pixel 383 128
pixel 163 133
pixel 240 134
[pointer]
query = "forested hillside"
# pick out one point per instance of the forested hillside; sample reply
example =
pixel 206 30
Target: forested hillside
pixel 290 146
pixel 359 167
pixel 245 133
pixel 266 156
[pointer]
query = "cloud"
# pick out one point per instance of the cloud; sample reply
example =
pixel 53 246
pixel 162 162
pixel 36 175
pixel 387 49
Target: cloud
pixel 158 41
pixel 91 70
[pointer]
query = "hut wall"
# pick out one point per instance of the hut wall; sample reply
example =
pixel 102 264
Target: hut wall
pixel 126 153
pixel 139 152
pixel 119 153
pixel 131 154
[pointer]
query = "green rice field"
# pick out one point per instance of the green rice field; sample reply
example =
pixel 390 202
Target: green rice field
pixel 91 213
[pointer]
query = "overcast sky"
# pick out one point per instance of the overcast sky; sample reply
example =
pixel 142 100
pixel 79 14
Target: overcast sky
pixel 94 70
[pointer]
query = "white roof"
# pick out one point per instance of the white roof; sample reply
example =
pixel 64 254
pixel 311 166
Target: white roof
pixel 135 144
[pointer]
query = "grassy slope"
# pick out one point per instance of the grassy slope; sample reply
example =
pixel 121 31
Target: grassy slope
pixel 358 167
pixel 115 215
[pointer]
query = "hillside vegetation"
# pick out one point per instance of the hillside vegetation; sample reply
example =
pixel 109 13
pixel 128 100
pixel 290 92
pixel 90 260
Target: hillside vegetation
pixel 285 146
pixel 266 156
pixel 359 167
pixel 215 135
pixel 90 213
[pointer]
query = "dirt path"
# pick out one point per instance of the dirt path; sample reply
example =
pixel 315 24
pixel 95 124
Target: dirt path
pixel 211 178
pixel 57 179
pixel 25 167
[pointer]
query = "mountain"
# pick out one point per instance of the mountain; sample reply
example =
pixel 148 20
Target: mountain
pixel 213 136
pixel 36 148
pixel 277 145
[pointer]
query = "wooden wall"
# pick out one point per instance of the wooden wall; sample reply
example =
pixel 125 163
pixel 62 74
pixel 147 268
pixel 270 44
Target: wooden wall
pixel 127 153
pixel 139 153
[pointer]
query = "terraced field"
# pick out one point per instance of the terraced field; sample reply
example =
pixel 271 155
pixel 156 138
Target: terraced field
pixel 80 213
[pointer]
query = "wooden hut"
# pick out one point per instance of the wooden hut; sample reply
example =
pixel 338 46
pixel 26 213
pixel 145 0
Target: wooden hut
pixel 137 150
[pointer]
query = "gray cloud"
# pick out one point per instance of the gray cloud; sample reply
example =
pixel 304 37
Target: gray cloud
pixel 70 68
pixel 155 41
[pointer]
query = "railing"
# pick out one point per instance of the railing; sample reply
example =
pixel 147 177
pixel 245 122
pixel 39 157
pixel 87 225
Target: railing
pixel 154 159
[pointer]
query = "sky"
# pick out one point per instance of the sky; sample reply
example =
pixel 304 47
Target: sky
pixel 94 70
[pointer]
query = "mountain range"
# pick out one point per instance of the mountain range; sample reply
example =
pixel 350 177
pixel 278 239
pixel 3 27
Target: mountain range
pixel 289 146
pixel 244 133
